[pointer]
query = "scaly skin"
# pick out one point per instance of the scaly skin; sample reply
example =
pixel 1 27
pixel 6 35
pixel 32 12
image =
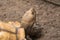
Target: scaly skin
pixel 27 20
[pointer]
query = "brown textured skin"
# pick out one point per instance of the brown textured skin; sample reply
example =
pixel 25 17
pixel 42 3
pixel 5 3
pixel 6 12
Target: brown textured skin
pixel 27 20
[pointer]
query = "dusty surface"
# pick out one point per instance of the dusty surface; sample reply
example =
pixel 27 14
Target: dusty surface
pixel 55 1
pixel 48 15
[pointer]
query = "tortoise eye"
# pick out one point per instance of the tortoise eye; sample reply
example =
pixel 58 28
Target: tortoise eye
pixel 32 13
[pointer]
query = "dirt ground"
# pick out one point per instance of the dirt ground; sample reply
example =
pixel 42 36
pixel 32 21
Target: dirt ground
pixel 48 15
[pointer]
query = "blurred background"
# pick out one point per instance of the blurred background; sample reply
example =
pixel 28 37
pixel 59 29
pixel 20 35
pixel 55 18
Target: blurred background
pixel 47 12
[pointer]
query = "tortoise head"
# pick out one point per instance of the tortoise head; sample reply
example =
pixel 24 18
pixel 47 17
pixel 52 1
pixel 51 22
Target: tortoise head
pixel 28 18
